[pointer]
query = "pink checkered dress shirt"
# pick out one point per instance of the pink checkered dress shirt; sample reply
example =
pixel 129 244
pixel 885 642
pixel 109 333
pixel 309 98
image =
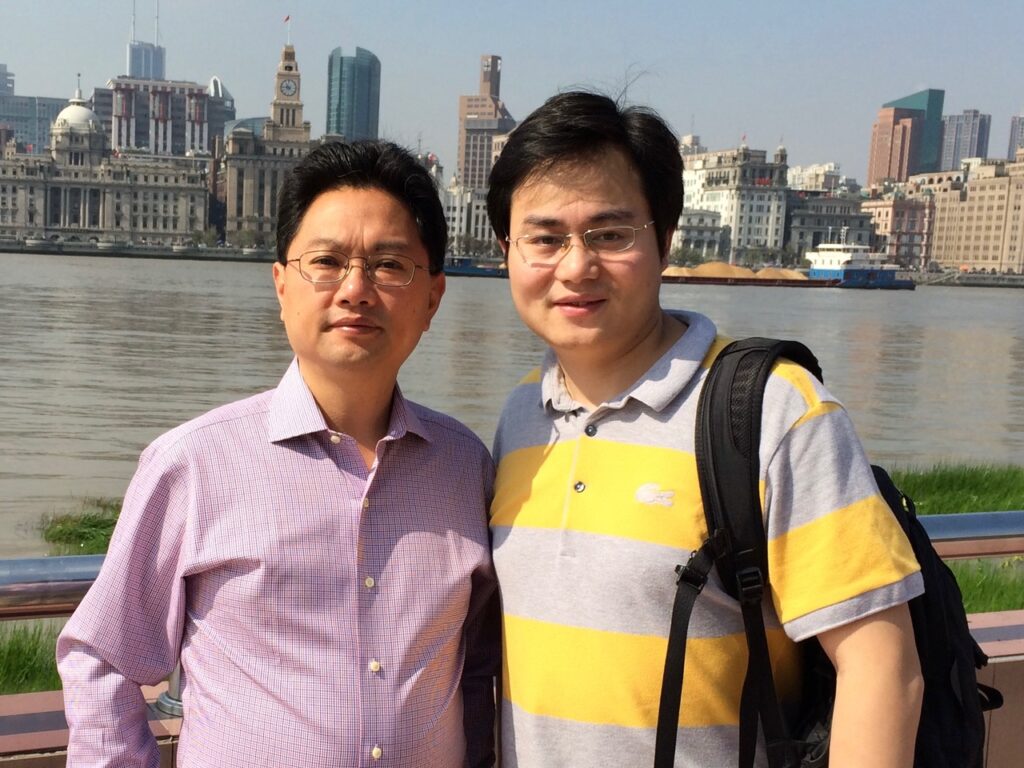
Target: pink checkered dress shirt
pixel 324 614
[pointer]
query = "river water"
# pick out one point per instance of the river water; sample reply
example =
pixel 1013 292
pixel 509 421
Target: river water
pixel 99 355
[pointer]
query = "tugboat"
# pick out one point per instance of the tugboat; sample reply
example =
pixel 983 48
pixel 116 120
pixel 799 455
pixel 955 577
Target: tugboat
pixel 856 267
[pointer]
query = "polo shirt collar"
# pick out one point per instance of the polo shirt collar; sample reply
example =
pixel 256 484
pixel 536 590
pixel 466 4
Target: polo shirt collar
pixel 294 412
pixel 659 385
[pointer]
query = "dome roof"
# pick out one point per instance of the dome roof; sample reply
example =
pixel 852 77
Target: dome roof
pixel 76 116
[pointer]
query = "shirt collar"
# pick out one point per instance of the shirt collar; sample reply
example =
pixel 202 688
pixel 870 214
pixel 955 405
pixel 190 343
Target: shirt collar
pixel 294 412
pixel 659 385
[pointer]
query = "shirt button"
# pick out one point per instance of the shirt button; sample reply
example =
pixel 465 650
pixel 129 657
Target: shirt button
pixel 369 582
pixel 377 753
pixel 373 666
pixel 366 503
pixel 580 487
pixel 591 430
pixel 335 439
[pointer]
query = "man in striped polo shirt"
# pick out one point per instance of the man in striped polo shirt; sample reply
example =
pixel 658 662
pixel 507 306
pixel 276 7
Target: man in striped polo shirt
pixel 597 497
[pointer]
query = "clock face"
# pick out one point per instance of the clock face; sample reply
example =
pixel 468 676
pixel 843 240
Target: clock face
pixel 288 87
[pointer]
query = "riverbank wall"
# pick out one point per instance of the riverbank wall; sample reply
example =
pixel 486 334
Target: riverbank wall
pixel 122 250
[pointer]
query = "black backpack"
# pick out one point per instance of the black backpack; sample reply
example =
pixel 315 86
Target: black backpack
pixel 951 733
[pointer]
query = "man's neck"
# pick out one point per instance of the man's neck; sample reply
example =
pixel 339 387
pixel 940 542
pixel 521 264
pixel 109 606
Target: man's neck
pixel 352 407
pixel 591 379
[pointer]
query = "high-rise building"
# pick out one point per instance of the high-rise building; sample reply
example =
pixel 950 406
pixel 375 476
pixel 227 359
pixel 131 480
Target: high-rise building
pixel 964 136
pixel 893 144
pixel 482 116
pixel 907 137
pixel 28 118
pixel 353 94
pixel 165 117
pixel 6 81
pixel 1016 136
pixel 146 61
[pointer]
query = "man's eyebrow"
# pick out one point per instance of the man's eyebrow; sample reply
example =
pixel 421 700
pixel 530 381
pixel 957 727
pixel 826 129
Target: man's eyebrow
pixel 612 214
pixel 381 246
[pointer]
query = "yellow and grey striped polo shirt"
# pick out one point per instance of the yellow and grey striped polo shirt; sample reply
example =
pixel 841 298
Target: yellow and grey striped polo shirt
pixel 594 509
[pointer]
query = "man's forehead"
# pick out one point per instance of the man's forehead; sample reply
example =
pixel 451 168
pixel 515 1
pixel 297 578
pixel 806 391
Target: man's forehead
pixel 603 173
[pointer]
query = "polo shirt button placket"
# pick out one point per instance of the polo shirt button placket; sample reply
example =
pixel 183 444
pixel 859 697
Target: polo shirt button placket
pixel 580 486
pixel 591 430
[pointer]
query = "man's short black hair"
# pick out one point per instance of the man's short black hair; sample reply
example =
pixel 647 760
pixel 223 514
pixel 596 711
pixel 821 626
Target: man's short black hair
pixel 365 165
pixel 577 127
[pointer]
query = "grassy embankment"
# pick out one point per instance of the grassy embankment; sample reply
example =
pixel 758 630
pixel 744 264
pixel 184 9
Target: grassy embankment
pixel 26 649
pixel 987 585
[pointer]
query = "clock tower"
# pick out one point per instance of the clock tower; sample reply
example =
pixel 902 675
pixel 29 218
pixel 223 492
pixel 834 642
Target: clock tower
pixel 286 123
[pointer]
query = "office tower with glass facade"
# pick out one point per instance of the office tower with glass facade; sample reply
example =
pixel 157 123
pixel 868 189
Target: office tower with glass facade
pixel 353 94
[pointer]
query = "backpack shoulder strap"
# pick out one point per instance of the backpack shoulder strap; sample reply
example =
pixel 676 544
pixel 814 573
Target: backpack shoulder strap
pixel 728 439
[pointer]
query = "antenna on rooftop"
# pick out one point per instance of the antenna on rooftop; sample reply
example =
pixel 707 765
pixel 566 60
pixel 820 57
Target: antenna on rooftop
pixel 133 22
pixel 156 27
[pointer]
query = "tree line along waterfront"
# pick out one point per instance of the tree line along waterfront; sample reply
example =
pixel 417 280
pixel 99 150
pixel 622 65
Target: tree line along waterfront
pixel 27 648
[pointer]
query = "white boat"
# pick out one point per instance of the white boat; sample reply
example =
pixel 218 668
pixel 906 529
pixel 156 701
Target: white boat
pixel 855 266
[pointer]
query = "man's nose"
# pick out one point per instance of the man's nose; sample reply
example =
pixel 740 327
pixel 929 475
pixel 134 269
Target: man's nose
pixel 356 283
pixel 579 258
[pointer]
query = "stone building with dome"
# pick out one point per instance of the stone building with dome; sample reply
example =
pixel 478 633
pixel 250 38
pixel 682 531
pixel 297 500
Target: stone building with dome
pixel 80 191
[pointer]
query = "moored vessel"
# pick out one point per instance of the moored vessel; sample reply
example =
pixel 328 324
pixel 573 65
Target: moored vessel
pixel 855 266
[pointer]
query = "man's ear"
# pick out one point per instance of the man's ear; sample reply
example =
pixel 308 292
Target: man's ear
pixel 668 246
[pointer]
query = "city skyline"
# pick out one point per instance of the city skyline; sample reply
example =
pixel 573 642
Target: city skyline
pixel 813 79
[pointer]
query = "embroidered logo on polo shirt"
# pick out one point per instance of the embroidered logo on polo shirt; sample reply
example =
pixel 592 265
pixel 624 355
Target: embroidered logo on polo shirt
pixel 651 493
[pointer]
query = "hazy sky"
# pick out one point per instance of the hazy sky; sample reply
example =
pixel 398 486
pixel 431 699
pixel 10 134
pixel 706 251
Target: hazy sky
pixel 812 73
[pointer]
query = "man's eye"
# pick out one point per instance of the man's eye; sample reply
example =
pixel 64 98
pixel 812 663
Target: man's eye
pixel 390 264
pixel 545 241
pixel 325 261
pixel 610 236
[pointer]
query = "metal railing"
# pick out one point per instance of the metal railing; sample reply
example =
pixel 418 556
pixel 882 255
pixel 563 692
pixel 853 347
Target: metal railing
pixel 54 586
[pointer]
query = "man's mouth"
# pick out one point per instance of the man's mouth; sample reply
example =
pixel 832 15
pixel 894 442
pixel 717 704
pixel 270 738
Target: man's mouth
pixel 353 323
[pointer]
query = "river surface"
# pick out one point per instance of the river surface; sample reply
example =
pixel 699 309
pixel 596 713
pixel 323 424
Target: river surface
pixel 99 355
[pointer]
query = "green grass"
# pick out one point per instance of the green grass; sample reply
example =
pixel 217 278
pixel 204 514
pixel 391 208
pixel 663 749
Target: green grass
pixel 27 660
pixel 949 488
pixel 27 650
pixel 85 532
pixel 987 585
pixel 990 585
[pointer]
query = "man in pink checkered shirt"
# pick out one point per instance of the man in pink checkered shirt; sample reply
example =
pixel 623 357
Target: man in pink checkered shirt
pixel 316 556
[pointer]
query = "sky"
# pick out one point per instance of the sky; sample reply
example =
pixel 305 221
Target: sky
pixel 811 74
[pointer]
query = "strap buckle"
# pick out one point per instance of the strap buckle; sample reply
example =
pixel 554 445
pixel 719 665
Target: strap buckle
pixel 695 573
pixel 750 585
